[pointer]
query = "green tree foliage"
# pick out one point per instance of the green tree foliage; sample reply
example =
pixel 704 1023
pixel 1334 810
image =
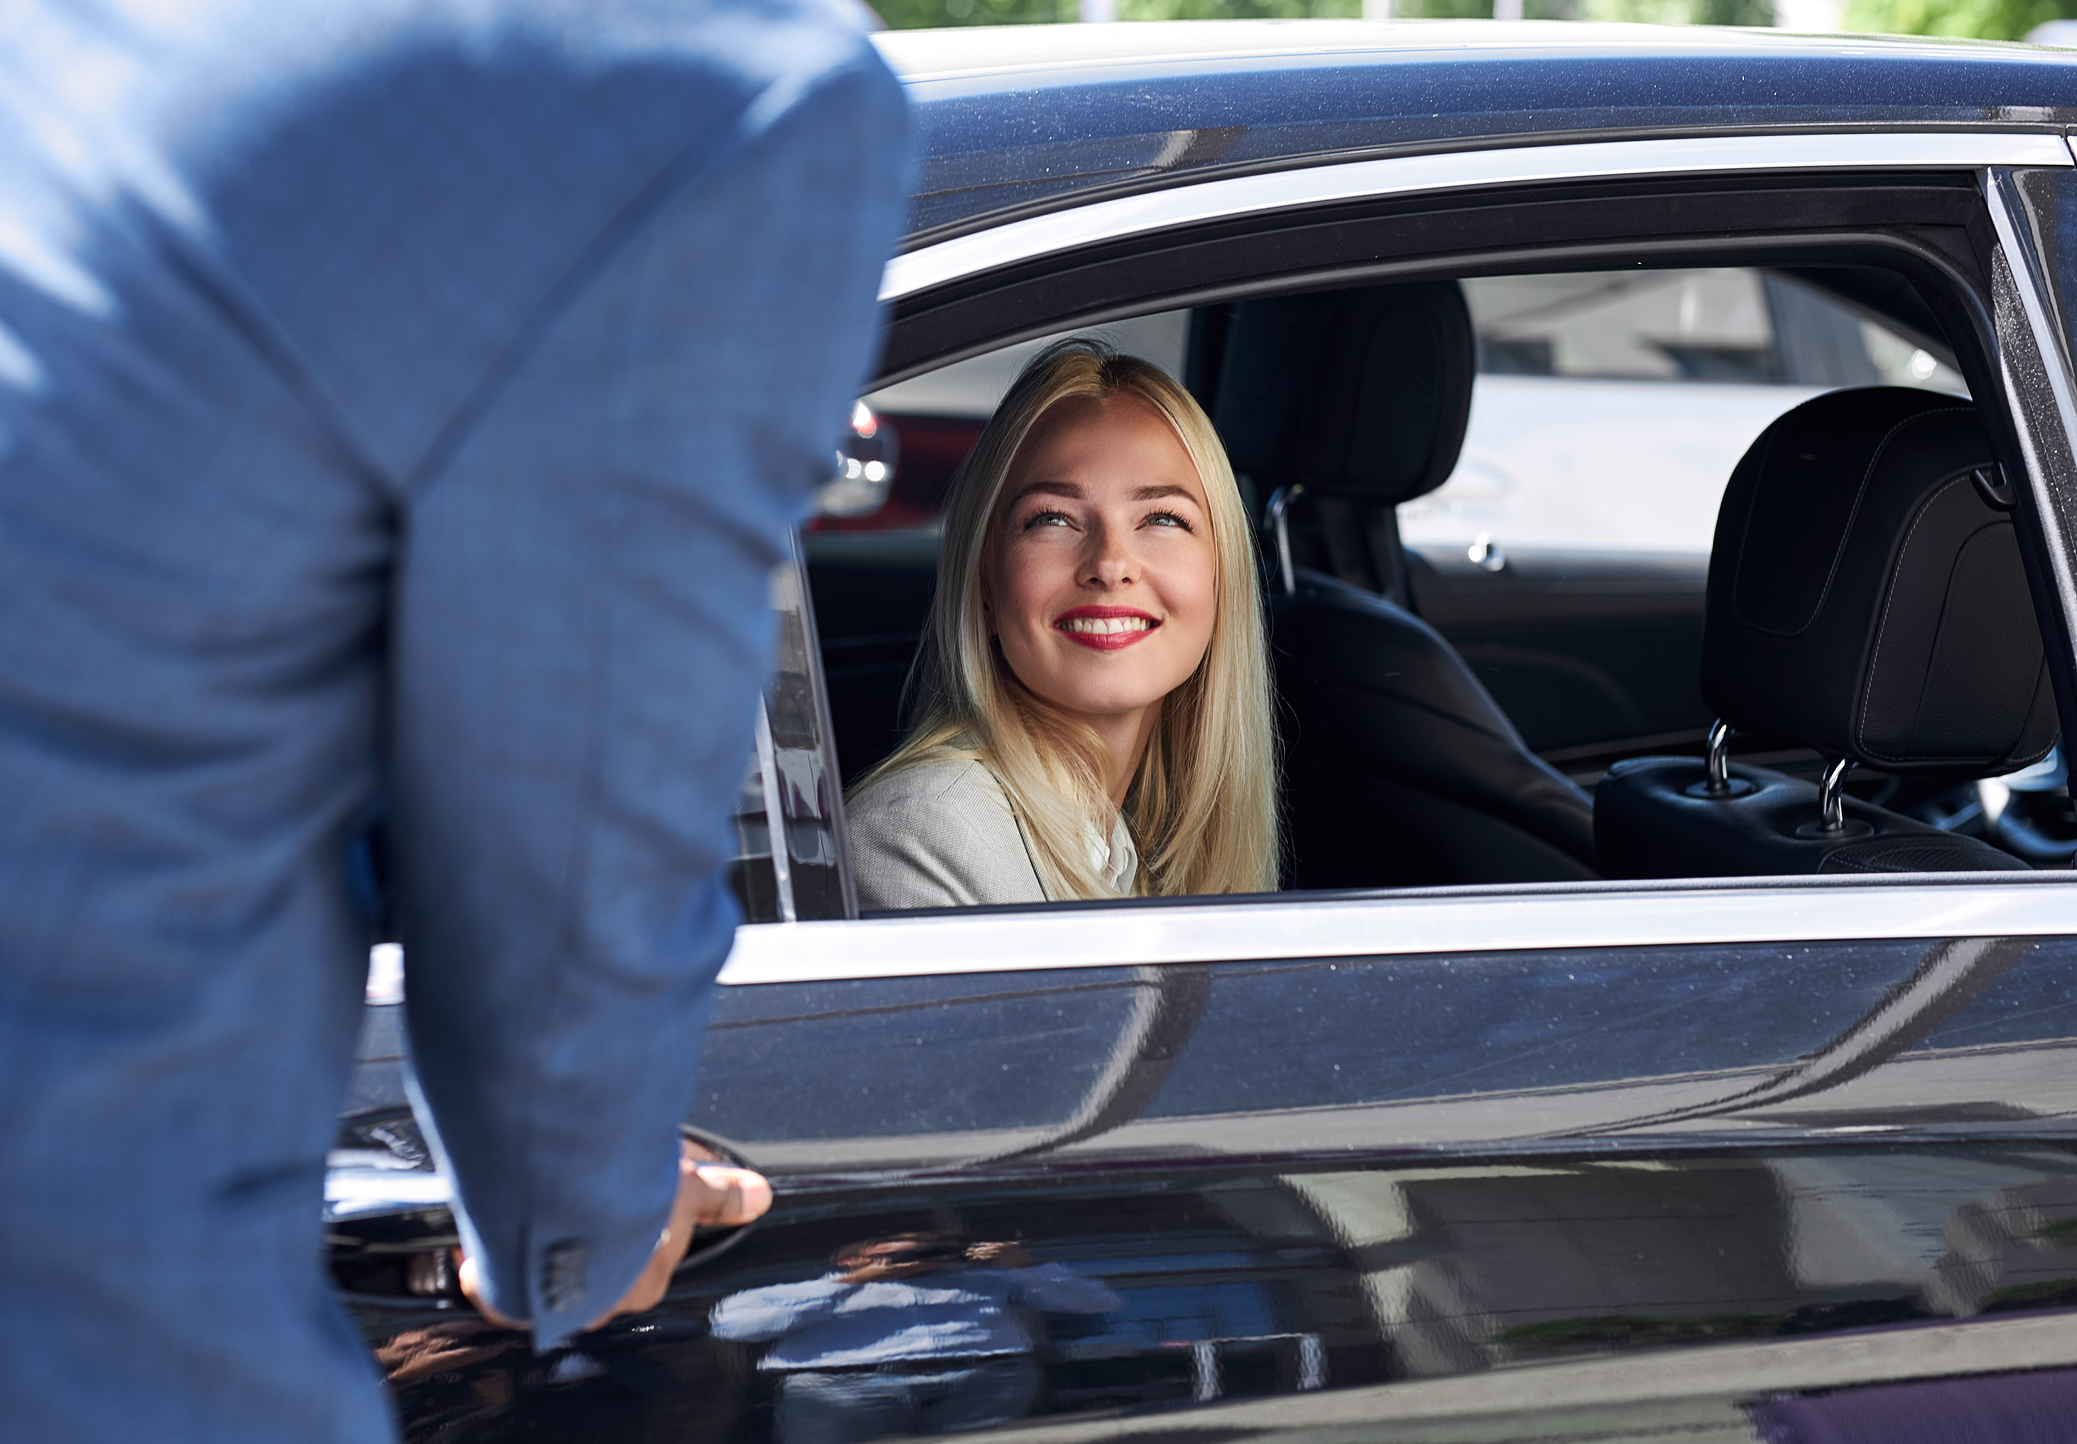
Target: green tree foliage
pixel 1680 12
pixel 1649 12
pixel 1240 9
pixel 928 14
pixel 913 14
pixel 1983 19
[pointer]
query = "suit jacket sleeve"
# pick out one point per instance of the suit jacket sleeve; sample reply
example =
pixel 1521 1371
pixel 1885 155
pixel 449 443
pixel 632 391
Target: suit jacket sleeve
pixel 591 293
pixel 584 633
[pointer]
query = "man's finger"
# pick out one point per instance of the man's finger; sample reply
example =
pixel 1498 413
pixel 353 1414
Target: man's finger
pixel 466 1276
pixel 725 1197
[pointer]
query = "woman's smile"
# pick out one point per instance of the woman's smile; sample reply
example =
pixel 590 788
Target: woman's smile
pixel 1106 629
pixel 1101 585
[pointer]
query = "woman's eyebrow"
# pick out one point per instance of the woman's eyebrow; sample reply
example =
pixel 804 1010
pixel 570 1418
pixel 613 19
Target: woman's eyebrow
pixel 1073 492
pixel 1049 488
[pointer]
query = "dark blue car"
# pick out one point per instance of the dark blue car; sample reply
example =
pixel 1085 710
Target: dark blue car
pixel 1668 1026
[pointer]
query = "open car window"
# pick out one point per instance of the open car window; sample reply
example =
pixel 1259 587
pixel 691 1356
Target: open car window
pixel 1569 367
pixel 1564 560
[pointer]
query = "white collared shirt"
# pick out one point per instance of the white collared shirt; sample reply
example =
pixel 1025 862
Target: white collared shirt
pixel 1117 862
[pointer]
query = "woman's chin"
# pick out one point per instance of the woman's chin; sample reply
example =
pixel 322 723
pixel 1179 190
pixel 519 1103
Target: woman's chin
pixel 1099 705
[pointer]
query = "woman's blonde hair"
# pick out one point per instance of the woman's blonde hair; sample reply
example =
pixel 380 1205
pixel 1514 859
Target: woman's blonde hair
pixel 1202 807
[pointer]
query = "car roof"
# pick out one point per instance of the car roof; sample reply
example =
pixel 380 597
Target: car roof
pixel 1018 119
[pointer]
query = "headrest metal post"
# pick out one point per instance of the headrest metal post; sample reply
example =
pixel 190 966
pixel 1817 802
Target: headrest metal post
pixel 1279 509
pixel 1831 796
pixel 1719 763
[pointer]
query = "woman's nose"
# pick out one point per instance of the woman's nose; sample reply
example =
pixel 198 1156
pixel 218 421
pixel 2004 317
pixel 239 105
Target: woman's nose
pixel 1111 561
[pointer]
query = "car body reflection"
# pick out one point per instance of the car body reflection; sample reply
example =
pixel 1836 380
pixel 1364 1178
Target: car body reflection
pixel 909 1336
pixel 1348 1187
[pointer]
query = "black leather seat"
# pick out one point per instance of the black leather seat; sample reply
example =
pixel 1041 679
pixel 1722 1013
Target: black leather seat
pixel 1866 599
pixel 1400 767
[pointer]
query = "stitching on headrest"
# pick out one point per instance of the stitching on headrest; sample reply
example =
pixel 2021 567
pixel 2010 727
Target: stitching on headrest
pixel 1846 532
pixel 1882 626
pixel 1745 530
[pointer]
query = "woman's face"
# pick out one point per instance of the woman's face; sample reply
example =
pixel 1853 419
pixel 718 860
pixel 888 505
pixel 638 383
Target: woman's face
pixel 1101 579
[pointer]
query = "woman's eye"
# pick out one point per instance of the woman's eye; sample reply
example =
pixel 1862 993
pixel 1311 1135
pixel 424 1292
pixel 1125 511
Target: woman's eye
pixel 1046 518
pixel 1169 518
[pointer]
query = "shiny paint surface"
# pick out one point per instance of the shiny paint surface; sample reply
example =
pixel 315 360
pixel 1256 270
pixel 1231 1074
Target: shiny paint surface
pixel 1323 1179
pixel 1030 118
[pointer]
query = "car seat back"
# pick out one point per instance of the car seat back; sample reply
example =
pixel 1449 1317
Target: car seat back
pixel 1400 768
pixel 1866 599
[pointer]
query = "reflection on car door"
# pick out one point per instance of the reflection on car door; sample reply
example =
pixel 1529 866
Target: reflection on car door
pixel 1303 1176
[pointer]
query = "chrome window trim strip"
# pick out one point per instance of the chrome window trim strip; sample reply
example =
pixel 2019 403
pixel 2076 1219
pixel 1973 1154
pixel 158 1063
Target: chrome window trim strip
pixel 1140 936
pixel 361 1192
pixel 1112 220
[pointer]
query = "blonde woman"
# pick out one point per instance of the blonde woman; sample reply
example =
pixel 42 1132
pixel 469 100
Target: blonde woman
pixel 1095 684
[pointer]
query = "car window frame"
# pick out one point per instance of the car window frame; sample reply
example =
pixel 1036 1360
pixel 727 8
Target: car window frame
pixel 1394 922
pixel 1528 915
pixel 998 247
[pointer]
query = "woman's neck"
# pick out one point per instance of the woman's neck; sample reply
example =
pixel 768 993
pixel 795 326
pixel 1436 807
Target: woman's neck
pixel 1124 736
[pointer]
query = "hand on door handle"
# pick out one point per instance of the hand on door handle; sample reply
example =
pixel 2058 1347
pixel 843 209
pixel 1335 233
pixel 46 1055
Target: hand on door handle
pixel 710 1195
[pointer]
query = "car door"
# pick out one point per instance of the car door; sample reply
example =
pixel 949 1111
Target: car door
pixel 1307 1168
pixel 1537 1162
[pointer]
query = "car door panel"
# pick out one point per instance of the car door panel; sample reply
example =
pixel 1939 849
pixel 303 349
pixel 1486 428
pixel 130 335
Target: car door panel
pixel 1330 1176
pixel 1588 653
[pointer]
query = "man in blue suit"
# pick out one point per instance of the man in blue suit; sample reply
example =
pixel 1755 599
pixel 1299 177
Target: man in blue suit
pixel 399 398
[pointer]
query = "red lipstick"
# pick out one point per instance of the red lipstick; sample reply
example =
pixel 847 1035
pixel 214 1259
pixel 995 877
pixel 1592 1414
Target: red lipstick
pixel 1106 629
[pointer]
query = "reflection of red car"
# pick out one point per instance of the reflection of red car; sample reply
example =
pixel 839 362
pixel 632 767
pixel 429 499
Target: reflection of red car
pixel 1501 1132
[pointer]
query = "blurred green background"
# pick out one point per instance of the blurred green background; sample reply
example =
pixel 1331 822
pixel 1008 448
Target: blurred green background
pixel 1986 19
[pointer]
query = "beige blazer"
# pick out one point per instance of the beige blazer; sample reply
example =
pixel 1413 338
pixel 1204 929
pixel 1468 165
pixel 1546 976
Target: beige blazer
pixel 944 835
pixel 938 836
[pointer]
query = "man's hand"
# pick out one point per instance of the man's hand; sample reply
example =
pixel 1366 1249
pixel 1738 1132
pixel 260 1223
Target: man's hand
pixel 710 1195
pixel 1002 1255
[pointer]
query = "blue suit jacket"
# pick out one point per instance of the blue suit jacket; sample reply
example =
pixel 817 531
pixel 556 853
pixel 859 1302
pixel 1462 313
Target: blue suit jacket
pixel 402 397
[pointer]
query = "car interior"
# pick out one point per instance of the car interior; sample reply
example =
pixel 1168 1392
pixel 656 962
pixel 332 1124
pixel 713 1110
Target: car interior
pixel 1644 573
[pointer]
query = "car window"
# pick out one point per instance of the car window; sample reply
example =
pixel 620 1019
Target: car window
pixel 1609 410
pixel 1563 560
pixel 1610 407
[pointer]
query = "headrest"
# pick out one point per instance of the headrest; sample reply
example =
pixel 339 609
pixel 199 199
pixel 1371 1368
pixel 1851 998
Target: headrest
pixel 1359 394
pixel 1866 596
